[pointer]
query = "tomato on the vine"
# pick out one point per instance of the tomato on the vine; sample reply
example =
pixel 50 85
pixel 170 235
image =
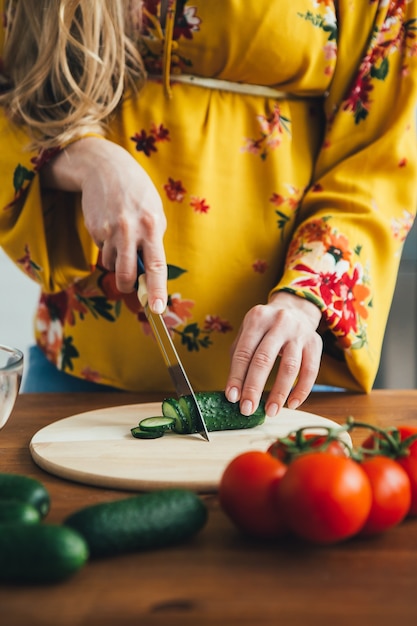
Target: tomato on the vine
pixel 409 465
pixel 286 449
pixel 391 494
pixel 326 498
pixel 393 441
pixel 246 493
pixel 400 444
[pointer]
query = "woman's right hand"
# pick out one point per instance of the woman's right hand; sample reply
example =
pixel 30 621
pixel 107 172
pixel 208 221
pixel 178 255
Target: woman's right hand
pixel 122 209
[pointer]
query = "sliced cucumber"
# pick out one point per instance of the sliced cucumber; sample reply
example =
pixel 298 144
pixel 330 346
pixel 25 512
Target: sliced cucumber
pixel 181 416
pixel 187 410
pixel 171 408
pixel 162 423
pixel 218 413
pixel 138 433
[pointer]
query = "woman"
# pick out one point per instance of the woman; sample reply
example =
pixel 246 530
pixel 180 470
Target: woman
pixel 267 159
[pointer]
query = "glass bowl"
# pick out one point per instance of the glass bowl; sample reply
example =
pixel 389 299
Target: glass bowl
pixel 11 370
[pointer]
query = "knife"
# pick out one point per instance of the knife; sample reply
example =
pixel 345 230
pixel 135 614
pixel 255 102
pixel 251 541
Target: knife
pixel 167 349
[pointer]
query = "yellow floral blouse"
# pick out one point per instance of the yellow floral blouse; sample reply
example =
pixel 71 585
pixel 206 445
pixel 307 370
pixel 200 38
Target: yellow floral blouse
pixel 312 190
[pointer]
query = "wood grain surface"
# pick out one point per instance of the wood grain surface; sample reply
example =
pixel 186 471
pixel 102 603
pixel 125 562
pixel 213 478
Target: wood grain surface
pixel 219 577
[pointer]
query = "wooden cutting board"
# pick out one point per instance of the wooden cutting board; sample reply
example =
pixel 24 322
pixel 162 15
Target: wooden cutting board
pixel 97 448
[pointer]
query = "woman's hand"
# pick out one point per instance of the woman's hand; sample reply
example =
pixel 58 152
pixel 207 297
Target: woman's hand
pixel 122 210
pixel 284 328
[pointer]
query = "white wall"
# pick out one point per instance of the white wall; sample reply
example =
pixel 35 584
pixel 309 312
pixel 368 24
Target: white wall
pixel 18 298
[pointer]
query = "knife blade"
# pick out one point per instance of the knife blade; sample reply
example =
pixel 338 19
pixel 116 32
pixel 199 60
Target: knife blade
pixel 167 348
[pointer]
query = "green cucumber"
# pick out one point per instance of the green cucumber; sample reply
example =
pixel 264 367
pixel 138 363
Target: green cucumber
pixel 161 423
pixel 217 411
pixel 152 427
pixel 25 489
pixel 40 553
pixel 152 520
pixel 138 433
pixel 171 408
pixel 18 512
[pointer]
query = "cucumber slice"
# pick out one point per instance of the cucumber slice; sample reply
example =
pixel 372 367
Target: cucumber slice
pixel 138 433
pixel 171 408
pixel 187 411
pixel 157 423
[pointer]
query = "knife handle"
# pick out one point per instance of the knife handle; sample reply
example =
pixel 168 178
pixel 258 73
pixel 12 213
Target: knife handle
pixel 140 266
pixel 140 285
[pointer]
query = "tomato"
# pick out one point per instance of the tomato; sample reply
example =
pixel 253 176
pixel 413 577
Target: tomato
pixel 376 441
pixel 409 465
pixel 326 498
pixel 391 494
pixel 409 431
pixel 288 448
pixel 246 493
pixel 405 454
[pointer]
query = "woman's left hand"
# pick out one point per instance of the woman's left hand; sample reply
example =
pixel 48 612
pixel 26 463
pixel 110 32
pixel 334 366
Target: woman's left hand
pixel 285 328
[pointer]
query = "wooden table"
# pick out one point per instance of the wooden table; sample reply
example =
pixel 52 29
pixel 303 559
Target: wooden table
pixel 219 577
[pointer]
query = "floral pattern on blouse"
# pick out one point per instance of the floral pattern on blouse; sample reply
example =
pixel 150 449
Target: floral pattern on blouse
pixel 332 269
pixel 263 173
pixel 394 34
pixel 328 24
pixel 186 23
pixel 272 128
pixel 73 305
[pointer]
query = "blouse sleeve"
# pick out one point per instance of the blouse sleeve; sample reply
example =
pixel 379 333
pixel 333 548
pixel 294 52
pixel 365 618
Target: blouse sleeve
pixel 356 214
pixel 42 232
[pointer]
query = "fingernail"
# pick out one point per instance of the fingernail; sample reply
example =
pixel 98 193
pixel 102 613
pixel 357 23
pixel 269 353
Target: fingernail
pixel 233 394
pixel 272 410
pixel 246 408
pixel 158 306
pixel 293 403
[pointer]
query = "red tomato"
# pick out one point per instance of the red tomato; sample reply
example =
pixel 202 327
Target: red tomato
pixel 409 465
pixel 391 494
pixel 326 498
pixel 287 449
pixel 409 431
pixel 246 493
pixel 376 440
pixel 405 455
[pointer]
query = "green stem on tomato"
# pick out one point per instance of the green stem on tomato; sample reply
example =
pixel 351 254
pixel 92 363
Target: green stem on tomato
pixel 394 447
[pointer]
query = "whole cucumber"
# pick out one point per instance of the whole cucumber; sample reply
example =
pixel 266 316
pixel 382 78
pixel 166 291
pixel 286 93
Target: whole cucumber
pixel 18 512
pixel 152 520
pixel 40 553
pixel 25 489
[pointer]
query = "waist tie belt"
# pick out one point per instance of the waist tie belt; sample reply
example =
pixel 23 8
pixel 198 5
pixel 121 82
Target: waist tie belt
pixel 227 85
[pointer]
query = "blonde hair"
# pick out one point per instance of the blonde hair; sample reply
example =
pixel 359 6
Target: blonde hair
pixel 68 64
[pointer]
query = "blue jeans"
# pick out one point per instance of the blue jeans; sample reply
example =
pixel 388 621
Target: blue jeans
pixel 42 376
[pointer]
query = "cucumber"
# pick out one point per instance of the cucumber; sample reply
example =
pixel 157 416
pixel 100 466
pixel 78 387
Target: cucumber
pixel 18 512
pixel 152 424
pixel 138 433
pixel 218 413
pixel 152 427
pixel 40 553
pixel 171 408
pixel 152 520
pixel 25 489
